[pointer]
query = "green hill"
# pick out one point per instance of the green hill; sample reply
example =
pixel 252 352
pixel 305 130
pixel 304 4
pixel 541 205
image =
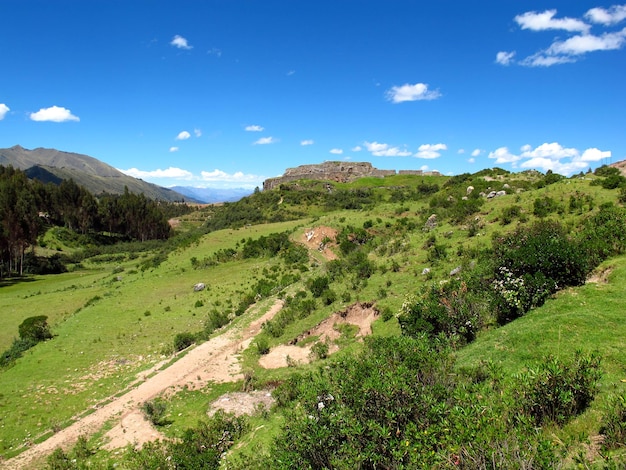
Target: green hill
pixel 477 304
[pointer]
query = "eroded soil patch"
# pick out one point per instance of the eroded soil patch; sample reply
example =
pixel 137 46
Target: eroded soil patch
pixel 360 314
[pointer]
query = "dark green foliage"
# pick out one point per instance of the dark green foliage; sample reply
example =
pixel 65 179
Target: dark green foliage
pixel 59 460
pixel 449 308
pixel 320 350
pixel 317 285
pixel 201 447
pixel 510 213
pixel 555 390
pixel 604 234
pixel 397 405
pixel 606 170
pixel 216 320
pixel 18 347
pixel 262 345
pixel 155 410
pixel 549 178
pixel 35 329
pixel 544 206
pixel 183 340
pixel 532 263
pixel 350 238
pixel 613 426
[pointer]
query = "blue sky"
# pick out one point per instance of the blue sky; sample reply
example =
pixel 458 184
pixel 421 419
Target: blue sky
pixel 225 93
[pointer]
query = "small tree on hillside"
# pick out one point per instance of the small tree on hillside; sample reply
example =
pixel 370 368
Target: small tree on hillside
pixel 35 329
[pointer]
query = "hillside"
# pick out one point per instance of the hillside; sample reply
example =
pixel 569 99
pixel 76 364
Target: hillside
pixel 50 165
pixel 395 319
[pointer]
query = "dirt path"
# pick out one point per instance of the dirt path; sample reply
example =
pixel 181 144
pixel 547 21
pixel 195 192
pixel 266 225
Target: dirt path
pixel 213 361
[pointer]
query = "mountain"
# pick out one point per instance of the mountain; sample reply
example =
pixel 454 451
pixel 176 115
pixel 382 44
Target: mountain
pixel 52 166
pixel 212 195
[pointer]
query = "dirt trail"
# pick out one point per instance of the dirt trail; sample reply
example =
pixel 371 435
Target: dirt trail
pixel 213 361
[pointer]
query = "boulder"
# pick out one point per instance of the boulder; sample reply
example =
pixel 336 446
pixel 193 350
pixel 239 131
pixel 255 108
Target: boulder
pixel 199 286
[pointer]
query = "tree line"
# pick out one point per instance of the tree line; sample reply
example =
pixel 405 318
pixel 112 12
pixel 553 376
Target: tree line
pixel 28 208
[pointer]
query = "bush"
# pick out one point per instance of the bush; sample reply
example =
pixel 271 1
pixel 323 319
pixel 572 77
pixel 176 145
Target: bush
pixel 320 350
pixel 35 329
pixel 154 410
pixel 544 206
pixel 317 285
pixel 449 308
pixel 183 340
pixel 556 391
pixel 263 345
pixel 216 320
pixel 613 426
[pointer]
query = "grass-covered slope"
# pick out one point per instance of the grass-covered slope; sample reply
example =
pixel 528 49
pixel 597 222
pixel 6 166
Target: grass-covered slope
pixel 116 315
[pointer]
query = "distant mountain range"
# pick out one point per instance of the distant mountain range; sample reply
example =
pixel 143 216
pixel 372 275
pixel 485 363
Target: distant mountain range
pixel 212 195
pixel 54 166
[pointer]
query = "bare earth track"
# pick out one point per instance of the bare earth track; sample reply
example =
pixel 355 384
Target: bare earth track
pixel 213 361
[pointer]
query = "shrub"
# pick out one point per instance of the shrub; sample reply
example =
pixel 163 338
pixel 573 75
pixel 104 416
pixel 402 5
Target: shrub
pixel 543 255
pixel 555 391
pixel 613 426
pixel 544 206
pixel 262 345
pixel 35 329
pixel 320 350
pixel 216 320
pixel 154 410
pixel 449 308
pixel 183 340
pixel 317 285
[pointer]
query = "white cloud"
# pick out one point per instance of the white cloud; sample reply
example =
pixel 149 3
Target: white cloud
pixel 184 135
pixel 217 178
pixel 180 42
pixel 430 151
pixel 356 148
pixel 502 155
pixel 222 176
pixel 307 142
pixel 170 172
pixel 553 151
pixel 265 141
pixel 197 132
pixel 476 152
pixel 550 156
pixel 384 150
pixel 570 49
pixel 54 114
pixel 504 58
pixel 215 51
pixel 336 151
pixel 254 128
pixel 173 149
pixel 584 43
pixel 595 155
pixel 290 73
pixel 4 109
pixel 613 15
pixel 545 20
pixel 460 151
pixel 407 92
pixel 471 160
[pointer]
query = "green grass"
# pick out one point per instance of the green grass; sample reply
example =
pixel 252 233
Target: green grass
pixel 118 319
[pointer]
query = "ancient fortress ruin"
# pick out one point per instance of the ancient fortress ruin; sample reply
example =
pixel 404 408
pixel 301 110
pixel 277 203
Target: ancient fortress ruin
pixel 340 172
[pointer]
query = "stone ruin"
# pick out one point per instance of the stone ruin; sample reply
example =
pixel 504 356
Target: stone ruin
pixel 340 172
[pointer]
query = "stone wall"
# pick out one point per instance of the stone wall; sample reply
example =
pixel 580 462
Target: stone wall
pixel 341 172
